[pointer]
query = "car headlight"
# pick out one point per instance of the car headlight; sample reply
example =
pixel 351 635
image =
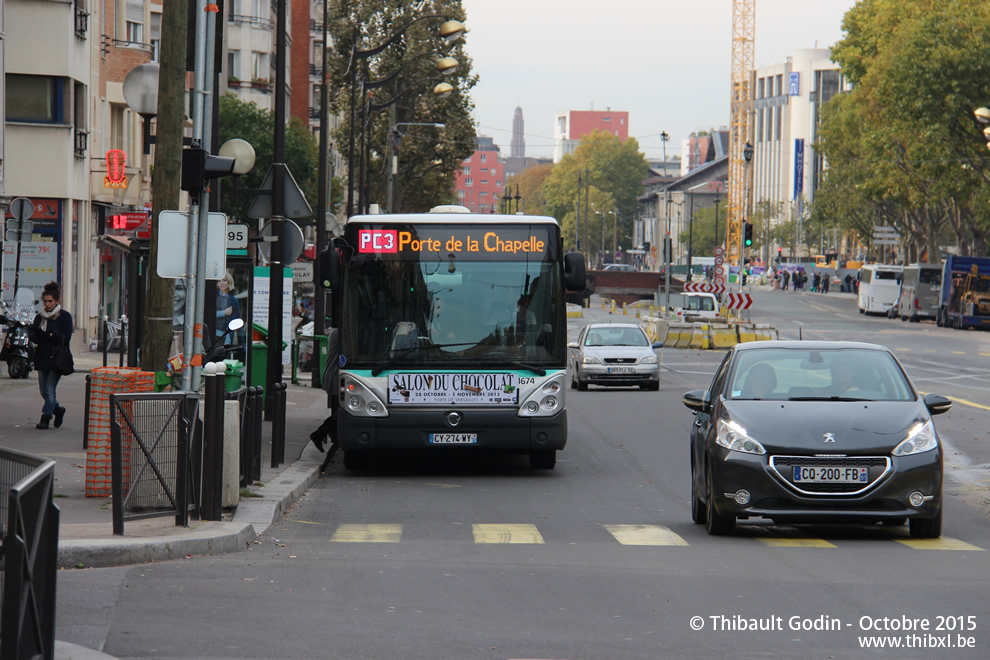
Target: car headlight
pixel 921 438
pixel 587 359
pixel 732 436
pixel 649 360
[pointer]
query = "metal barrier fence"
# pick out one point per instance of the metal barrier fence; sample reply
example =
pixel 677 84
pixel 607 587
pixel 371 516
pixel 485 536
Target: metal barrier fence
pixel 28 556
pixel 155 447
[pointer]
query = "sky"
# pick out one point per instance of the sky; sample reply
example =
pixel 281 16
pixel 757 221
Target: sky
pixel 666 62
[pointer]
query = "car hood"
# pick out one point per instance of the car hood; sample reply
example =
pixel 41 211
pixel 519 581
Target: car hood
pixel 873 427
pixel 602 352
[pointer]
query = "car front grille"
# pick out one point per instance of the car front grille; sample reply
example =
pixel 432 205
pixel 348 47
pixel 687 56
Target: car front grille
pixel 879 467
pixel 620 360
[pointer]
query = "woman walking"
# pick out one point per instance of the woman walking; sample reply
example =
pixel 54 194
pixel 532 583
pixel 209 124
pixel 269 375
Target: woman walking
pixel 52 328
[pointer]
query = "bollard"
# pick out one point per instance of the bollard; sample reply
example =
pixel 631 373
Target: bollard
pixel 89 384
pixel 623 309
pixel 278 425
pixel 258 419
pixel 247 436
pixel 106 319
pixel 123 340
pixel 210 497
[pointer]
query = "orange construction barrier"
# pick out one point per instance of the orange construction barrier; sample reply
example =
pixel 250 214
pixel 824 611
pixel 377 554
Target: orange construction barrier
pixel 104 382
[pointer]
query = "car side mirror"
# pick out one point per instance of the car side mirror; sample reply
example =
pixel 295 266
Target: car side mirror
pixel 696 400
pixel 937 404
pixel 572 344
pixel 658 344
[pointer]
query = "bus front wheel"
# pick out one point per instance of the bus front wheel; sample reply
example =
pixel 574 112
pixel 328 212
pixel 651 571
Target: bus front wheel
pixel 543 459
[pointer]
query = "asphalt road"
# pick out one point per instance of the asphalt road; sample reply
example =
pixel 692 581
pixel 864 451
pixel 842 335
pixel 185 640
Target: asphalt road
pixel 434 558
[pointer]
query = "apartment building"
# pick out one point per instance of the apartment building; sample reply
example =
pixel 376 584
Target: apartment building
pixel 479 183
pixel 569 127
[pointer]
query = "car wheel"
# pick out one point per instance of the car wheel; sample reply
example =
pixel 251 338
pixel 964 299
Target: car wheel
pixel 957 323
pixel 573 379
pixel 698 512
pixel 926 528
pixel 654 387
pixel 862 311
pixel 717 524
pixel 17 367
pixel 543 460
pixel 581 385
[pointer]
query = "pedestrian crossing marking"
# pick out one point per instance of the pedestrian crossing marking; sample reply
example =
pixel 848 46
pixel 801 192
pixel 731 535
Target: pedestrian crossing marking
pixel 943 543
pixel 367 534
pixel 500 533
pixel 797 543
pixel 644 535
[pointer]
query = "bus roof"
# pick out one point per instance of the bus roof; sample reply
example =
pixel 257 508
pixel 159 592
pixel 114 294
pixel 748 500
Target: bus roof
pixel 446 218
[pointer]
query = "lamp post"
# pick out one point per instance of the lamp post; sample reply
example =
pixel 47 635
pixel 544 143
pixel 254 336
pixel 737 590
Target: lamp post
pixel 450 30
pixel 395 142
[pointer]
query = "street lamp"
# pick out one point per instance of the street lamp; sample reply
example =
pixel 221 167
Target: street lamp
pixel 141 94
pixel 242 152
pixel 450 31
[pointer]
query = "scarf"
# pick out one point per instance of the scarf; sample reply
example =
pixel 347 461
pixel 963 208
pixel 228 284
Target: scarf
pixel 49 316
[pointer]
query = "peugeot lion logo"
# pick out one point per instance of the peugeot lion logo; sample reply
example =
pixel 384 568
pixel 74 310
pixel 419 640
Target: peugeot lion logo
pixel 453 418
pixel 829 437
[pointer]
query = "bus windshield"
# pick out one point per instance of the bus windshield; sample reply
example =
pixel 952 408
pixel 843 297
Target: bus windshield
pixel 433 308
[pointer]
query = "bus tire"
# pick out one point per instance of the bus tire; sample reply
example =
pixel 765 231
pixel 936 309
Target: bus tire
pixel 545 459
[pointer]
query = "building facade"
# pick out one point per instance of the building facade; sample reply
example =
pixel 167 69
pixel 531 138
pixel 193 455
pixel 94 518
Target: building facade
pixel 480 181
pixel 569 127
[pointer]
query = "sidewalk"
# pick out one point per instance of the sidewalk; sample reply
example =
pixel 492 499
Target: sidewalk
pixel 85 525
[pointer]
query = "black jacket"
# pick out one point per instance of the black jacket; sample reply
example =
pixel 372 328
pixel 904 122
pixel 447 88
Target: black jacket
pixel 59 330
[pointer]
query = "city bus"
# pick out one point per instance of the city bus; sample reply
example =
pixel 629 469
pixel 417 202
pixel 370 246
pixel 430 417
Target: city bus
pixel 879 288
pixel 452 333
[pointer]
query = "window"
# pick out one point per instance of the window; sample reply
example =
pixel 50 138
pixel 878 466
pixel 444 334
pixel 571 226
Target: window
pixel 484 158
pixel 482 194
pixel 498 184
pixel 484 182
pixel 468 182
pixel 134 21
pixel 460 194
pixel 259 66
pixel 35 98
pixel 466 170
pixel 234 64
pixel 780 84
pixel 156 37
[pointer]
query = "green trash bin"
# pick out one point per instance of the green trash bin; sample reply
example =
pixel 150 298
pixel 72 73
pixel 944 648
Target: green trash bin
pixel 259 356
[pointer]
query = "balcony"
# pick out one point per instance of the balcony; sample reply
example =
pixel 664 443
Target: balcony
pixel 254 21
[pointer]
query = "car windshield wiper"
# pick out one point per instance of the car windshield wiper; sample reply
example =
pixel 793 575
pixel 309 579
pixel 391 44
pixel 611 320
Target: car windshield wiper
pixel 827 398
pixel 539 371
pixel 402 352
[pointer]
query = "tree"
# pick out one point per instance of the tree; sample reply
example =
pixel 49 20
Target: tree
pixel 239 119
pixel 429 158
pixel 615 170
pixel 529 184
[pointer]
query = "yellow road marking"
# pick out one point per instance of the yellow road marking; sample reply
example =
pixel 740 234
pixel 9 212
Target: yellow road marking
pixel 796 543
pixel 958 353
pixel 944 543
pixel 962 401
pixel 906 350
pixel 644 535
pixel 506 534
pixel 367 534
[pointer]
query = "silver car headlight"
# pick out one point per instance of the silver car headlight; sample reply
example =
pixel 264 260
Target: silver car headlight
pixel 649 360
pixel 588 359
pixel 732 436
pixel 921 438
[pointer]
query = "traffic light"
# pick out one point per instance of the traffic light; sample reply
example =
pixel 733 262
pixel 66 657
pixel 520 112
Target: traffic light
pixel 199 166
pixel 747 234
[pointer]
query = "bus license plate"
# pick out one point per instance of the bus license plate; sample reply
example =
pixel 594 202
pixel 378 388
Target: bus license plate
pixel 831 475
pixel 621 370
pixel 453 438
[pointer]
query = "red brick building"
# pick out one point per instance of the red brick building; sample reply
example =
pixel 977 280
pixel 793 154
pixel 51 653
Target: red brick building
pixel 481 179
pixel 570 126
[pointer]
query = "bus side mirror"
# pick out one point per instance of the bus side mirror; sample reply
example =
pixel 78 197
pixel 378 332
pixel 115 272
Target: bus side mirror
pixel 574 272
pixel 329 264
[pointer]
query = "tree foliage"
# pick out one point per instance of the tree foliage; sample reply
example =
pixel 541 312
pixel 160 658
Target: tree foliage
pixel 612 172
pixel 239 119
pixel 903 148
pixel 529 186
pixel 403 75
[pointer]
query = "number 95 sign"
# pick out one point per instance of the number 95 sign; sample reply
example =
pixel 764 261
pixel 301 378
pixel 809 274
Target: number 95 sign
pixel 237 237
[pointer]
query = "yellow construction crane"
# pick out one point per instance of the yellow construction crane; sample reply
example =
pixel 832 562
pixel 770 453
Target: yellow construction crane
pixel 740 175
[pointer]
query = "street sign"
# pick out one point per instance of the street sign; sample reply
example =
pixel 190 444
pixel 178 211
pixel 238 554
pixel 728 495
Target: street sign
pixel 173 245
pixel 302 271
pixel 739 301
pixel 21 208
pixel 237 236
pixel 293 247
pixel 719 250
pixel 704 287
pixel 296 205
pixel 884 229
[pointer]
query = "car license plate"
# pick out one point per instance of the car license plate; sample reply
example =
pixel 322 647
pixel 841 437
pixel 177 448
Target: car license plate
pixel 453 438
pixel 621 370
pixel 831 475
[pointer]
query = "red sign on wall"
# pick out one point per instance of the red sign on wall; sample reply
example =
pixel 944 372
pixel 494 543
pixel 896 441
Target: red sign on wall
pixel 115 178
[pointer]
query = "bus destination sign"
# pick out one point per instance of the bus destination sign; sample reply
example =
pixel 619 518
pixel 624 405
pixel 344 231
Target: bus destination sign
pixel 499 242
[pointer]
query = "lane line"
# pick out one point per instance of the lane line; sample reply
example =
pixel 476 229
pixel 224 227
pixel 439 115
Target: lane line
pixel 796 543
pixel 644 535
pixel 944 543
pixel 351 533
pixel 502 533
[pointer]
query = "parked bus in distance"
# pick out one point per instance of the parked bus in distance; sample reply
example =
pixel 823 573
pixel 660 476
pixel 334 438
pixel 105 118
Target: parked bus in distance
pixel 919 292
pixel 452 331
pixel 879 288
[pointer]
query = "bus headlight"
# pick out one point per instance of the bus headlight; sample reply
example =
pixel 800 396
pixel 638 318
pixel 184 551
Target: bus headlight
pixel 545 400
pixel 361 400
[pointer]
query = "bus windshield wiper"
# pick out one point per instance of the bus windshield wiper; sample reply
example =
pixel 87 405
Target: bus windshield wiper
pixel 402 352
pixel 539 371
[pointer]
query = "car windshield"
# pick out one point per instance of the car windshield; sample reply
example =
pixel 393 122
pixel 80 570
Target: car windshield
pixel 615 336
pixel 812 375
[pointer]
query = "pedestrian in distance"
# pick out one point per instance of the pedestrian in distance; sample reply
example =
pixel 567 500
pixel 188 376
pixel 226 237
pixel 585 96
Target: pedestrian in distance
pixel 825 279
pixel 816 281
pixel 51 329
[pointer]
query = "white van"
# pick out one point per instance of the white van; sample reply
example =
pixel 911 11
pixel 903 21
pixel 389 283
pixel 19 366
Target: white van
pixel 919 292
pixel 879 288
pixel 690 306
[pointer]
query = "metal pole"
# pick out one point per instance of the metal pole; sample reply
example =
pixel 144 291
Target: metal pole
pixel 587 186
pixel 690 235
pixel 322 200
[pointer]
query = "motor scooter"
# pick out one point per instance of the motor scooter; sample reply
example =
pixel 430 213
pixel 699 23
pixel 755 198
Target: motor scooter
pixel 17 350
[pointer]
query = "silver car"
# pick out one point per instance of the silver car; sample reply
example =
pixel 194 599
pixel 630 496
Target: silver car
pixel 614 354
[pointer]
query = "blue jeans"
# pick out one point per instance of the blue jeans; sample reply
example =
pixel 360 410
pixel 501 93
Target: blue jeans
pixel 47 382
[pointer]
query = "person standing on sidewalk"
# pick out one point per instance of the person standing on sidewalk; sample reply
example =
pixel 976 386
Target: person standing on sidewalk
pixel 52 328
